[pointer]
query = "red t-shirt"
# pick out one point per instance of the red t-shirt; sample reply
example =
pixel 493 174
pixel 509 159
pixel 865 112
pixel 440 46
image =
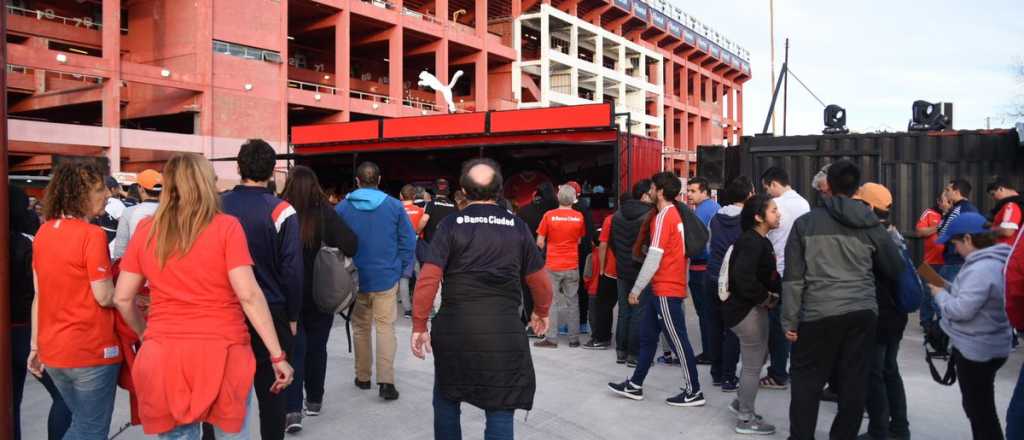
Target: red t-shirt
pixel 196 363
pixel 932 250
pixel 667 235
pixel 74 331
pixel 415 214
pixel 563 228
pixel 609 257
pixel 1008 217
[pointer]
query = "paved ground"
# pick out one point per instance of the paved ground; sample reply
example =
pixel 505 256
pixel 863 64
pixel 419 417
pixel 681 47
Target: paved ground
pixel 573 402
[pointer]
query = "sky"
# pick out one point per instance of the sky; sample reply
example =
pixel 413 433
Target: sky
pixel 875 58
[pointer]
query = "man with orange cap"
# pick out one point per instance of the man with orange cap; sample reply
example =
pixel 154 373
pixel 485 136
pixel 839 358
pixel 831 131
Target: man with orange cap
pixel 151 182
pixel 886 398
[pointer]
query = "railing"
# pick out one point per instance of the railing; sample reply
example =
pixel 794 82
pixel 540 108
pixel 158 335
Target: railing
pixel 14 68
pixel 383 4
pixel 301 85
pixel 420 15
pixel 11 68
pixel 49 14
pixel 459 27
pixel 369 96
pixel 246 52
pixel 419 104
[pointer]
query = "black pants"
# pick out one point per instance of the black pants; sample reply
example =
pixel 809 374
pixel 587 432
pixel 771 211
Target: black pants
pixel 887 399
pixel 977 381
pixel 272 406
pixel 723 346
pixel 603 304
pixel 840 344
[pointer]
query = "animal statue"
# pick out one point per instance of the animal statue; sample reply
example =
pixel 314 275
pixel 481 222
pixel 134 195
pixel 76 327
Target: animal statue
pixel 428 80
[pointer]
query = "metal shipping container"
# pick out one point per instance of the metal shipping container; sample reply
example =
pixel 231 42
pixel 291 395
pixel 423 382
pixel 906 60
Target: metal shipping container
pixel 639 159
pixel 914 166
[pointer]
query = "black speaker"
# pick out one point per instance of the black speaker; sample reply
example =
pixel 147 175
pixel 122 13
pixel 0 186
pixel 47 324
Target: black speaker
pixel 711 164
pixel 927 116
pixel 835 120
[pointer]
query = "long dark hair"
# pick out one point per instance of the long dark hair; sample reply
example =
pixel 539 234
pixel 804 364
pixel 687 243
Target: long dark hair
pixel 754 206
pixel 304 193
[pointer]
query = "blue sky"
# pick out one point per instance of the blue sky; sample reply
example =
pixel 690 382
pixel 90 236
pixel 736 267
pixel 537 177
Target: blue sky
pixel 876 57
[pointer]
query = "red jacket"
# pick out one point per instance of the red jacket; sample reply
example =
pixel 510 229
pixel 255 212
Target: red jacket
pixel 1015 285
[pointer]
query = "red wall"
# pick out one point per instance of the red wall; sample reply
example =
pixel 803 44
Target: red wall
pixel 646 159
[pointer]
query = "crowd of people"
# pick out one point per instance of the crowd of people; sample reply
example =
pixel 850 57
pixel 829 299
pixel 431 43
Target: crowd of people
pixel 203 304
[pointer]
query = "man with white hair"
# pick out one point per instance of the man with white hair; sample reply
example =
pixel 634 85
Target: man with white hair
pixel 560 232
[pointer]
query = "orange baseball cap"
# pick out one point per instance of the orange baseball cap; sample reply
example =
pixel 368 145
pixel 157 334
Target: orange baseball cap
pixel 875 195
pixel 150 180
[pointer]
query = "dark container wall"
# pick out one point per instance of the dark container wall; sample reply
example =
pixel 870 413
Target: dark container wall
pixel 914 166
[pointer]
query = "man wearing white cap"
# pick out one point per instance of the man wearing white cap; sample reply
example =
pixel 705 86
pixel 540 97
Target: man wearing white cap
pixel 151 183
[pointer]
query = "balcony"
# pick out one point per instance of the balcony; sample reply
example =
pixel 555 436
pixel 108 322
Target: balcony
pixel 50 16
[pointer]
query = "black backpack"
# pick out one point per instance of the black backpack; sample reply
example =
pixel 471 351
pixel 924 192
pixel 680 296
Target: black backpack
pixel 695 233
pixel 936 346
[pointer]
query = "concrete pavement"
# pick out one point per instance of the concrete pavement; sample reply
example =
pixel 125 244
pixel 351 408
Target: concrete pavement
pixel 573 401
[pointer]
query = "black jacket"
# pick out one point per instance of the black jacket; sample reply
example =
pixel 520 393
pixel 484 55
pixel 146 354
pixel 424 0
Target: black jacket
pixel 626 226
pixel 335 234
pixel 22 224
pixel 891 321
pixel 752 275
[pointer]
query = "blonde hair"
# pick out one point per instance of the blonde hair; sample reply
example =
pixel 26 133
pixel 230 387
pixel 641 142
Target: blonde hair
pixel 188 203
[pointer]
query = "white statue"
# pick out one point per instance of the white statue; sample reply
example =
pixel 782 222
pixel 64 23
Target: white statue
pixel 428 80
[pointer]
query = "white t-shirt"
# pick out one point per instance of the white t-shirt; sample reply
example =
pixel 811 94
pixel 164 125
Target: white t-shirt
pixel 791 206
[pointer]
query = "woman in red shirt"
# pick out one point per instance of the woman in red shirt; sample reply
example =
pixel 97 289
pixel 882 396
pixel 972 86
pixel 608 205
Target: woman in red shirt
pixel 195 364
pixel 72 319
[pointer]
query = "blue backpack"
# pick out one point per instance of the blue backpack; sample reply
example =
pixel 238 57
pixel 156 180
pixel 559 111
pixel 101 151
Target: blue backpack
pixel 909 290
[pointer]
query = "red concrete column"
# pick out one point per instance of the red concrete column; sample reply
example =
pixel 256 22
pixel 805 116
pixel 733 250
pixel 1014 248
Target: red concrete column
pixel 112 87
pixel 441 67
pixel 732 115
pixel 739 112
pixel 395 64
pixel 442 11
pixel 282 93
pixel 670 130
pixel 342 65
pixel 481 18
pixel 480 81
pixel 204 72
pixel 669 83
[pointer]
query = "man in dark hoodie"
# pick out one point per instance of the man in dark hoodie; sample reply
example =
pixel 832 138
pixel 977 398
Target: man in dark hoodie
pixel 387 244
pixel 626 226
pixel 957 192
pixel 829 303
pixel 723 346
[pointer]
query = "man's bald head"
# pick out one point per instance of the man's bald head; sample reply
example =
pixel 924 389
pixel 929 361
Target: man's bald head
pixel 481 180
pixel 368 175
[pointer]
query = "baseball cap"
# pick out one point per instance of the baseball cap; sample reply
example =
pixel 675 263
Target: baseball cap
pixel 150 180
pixel 111 182
pixel 965 223
pixel 875 195
pixel 576 186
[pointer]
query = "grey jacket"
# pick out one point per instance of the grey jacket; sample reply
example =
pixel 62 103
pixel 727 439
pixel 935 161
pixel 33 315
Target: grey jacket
pixel 830 256
pixel 974 311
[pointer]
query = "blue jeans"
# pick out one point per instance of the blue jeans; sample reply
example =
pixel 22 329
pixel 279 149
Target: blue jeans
pixel 696 282
pixel 724 347
pixel 665 315
pixel 778 346
pixel 59 419
pixel 626 329
pixel 89 393
pixel 929 313
pixel 448 418
pixel 310 359
pixel 1015 414
pixel 194 431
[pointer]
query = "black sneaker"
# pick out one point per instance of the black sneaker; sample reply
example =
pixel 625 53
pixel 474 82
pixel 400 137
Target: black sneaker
pixel 313 408
pixel 293 422
pixel 388 391
pixel 574 344
pixel 631 361
pixel 687 399
pixel 703 360
pixel 627 389
pixel 597 345
pixel 716 381
pixel 362 385
pixel 730 385
pixel 620 357
pixel 828 395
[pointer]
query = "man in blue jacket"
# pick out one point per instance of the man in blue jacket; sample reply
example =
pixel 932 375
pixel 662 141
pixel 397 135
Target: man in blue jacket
pixel 699 195
pixel 272 232
pixel 387 245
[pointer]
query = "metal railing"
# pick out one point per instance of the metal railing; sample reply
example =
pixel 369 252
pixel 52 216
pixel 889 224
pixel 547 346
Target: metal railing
pixel 14 68
pixel 366 96
pixel 420 15
pixel 302 85
pixel 383 4
pixel 49 14
pixel 419 104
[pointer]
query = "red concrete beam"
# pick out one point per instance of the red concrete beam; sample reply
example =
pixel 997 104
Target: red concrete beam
pixel 75 33
pixel 59 99
pixel 384 35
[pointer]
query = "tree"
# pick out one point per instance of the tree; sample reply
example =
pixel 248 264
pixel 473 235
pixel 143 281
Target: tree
pixel 1016 111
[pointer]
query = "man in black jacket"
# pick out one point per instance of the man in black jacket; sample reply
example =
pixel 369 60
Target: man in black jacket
pixel 626 226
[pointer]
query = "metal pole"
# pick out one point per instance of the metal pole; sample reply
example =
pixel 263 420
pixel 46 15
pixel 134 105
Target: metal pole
pixel 771 31
pixel 7 405
pixel 785 90
pixel 771 108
